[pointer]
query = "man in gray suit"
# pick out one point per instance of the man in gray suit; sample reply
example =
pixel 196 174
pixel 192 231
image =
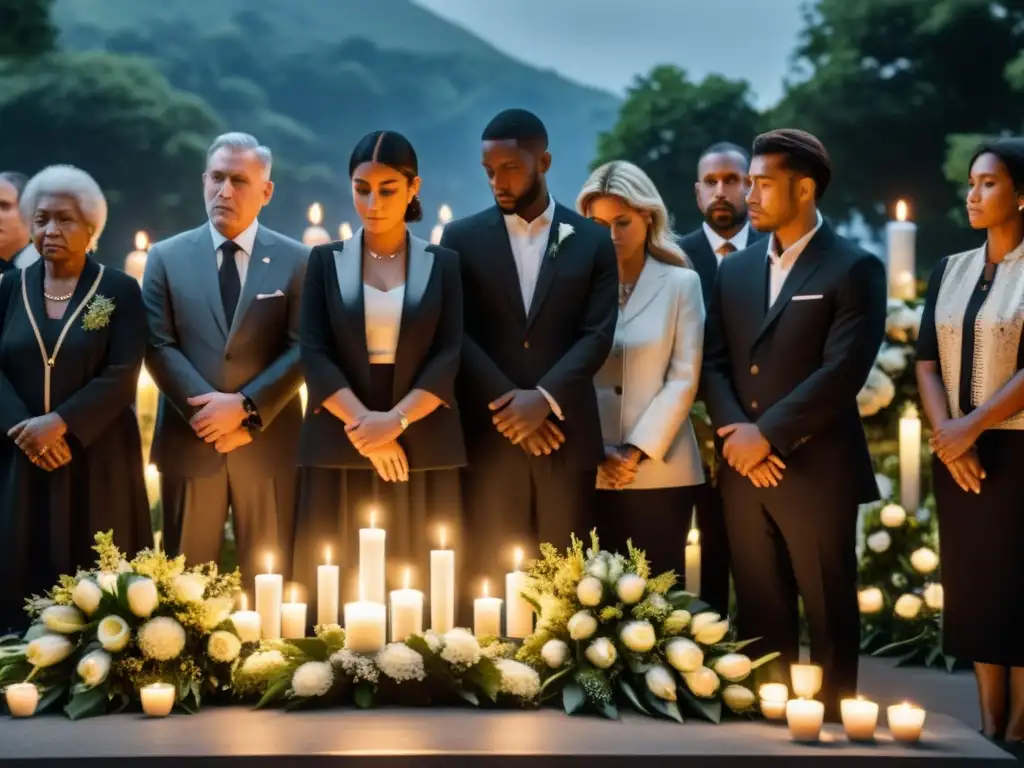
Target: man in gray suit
pixel 222 302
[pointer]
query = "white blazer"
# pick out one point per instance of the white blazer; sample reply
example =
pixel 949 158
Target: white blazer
pixel 648 384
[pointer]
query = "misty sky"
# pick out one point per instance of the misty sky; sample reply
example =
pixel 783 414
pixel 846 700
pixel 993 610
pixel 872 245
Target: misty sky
pixel 606 42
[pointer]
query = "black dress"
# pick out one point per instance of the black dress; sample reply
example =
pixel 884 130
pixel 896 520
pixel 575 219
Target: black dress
pixel 980 535
pixel 48 519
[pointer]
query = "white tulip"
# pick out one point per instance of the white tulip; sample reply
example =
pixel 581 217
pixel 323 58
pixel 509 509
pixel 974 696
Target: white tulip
pixel 555 653
pixel 638 636
pixel 924 560
pixel 908 606
pixel 684 654
pixel 589 591
pixel 893 515
pixel 87 595
pixel 631 588
pixel 601 653
pixel 934 596
pixel 224 646
pixel 702 682
pixel 879 541
pixel 661 683
pixel 65 619
pixel 737 698
pixel 733 667
pixel 107 581
pixel 142 597
pixel 676 622
pixel 113 633
pixel 215 611
pixel 188 587
pixel 94 668
pixel 712 633
pixel 701 620
pixel 47 650
pixel 870 600
pixel 598 568
pixel 582 625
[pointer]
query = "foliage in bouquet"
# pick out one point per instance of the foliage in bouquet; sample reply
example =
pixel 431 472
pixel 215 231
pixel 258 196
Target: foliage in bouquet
pixel 425 669
pixel 99 636
pixel 609 633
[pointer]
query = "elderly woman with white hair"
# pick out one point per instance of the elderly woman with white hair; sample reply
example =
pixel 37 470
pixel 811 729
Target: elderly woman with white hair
pixel 72 340
pixel 648 384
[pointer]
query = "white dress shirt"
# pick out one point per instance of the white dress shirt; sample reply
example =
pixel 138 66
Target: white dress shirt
pixel 782 265
pixel 716 241
pixel 246 241
pixel 383 312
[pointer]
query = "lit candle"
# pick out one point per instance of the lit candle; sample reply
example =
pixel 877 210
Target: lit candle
pixel 518 612
pixel 371 562
pixel 910 460
pixel 293 617
pixel 692 582
pixel 303 398
pixel 345 231
pixel 773 700
pixel 157 699
pixel 900 244
pixel 442 588
pixel 269 588
pixel 487 615
pixel 905 721
pixel 315 234
pixel 444 215
pixel 328 584
pixel 805 718
pixel 860 718
pixel 365 626
pixel 435 234
pixel 22 699
pixel 152 484
pixel 406 612
pixel 135 262
pixel 246 622
pixel 806 680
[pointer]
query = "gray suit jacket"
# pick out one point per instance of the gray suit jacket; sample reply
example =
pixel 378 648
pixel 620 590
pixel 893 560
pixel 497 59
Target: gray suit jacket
pixel 192 351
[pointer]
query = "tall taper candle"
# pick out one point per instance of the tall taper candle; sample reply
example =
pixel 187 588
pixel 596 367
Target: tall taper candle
pixel 406 612
pixel 371 563
pixel 269 587
pixel 910 460
pixel 518 612
pixel 327 585
pixel 692 561
pixel 900 245
pixel 442 587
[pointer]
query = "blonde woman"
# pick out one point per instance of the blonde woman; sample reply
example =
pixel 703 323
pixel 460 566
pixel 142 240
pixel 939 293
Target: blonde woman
pixel 648 384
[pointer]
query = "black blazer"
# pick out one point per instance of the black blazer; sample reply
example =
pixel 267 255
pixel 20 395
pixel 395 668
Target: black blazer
pixel 704 260
pixel 795 369
pixel 559 346
pixel 334 354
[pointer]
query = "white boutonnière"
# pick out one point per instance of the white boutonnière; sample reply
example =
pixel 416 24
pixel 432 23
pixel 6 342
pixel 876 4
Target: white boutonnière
pixel 565 231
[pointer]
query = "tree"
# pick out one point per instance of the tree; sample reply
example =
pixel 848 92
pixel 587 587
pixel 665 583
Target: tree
pixel 25 28
pixel 667 121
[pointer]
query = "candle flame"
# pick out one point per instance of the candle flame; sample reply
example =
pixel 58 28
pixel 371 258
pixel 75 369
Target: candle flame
pixel 519 557
pixel 444 537
pixel 243 602
pixel 294 594
pixel 141 241
pixel 373 518
pixel 693 537
pixel 327 555
pixel 445 214
pixel 486 585
pixel 315 214
pixel 345 231
pixel 910 412
pixel 270 562
pixel 901 210
pixel 408 576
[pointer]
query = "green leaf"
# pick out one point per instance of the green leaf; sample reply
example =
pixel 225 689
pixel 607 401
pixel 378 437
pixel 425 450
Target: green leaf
pixel 870 639
pixel 909 657
pixel 573 698
pixel 91 703
pixel 637 665
pixel 707 709
pixel 764 660
pixel 950 663
pixel 737 646
pixel 485 676
pixel 34 632
pixel 363 695
pixel 933 656
pixel 467 696
pixel 900 645
pixel 51 696
pixel 418 644
pixel 668 709
pixel 276 691
pixel 627 690
pixel 609 710
pixel 559 677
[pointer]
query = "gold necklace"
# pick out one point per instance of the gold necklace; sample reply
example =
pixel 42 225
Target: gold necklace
pixel 59 298
pixel 388 256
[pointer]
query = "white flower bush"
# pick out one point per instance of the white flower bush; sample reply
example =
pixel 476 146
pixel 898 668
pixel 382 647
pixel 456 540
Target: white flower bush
pixel 460 648
pixel 224 647
pixel 161 639
pixel 518 679
pixel 402 664
pixel 314 678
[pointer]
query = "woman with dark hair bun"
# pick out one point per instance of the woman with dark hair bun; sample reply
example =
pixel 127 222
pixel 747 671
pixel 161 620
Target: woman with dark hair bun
pixel 970 371
pixel 381 337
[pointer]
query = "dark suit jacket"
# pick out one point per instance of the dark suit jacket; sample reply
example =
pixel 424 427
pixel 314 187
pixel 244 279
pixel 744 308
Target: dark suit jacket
pixel 796 369
pixel 334 354
pixel 704 260
pixel 559 346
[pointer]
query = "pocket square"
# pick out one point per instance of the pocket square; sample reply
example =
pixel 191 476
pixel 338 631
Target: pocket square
pixel 274 295
pixel 808 297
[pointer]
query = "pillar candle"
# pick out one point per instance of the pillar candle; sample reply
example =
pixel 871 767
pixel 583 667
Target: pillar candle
pixel 487 615
pixel 773 700
pixel 406 612
pixel 900 246
pixel 371 563
pixel 910 460
pixel 246 623
pixel 328 584
pixel 518 612
pixel 157 699
pixel 692 559
pixel 442 588
pixel 860 718
pixel 805 718
pixel 905 722
pixel 22 699
pixel 269 587
pixel 806 680
pixel 293 617
pixel 365 626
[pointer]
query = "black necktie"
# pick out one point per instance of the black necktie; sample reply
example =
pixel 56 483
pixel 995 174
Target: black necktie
pixel 230 282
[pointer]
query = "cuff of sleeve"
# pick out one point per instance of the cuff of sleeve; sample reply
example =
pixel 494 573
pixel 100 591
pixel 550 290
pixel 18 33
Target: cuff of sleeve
pixel 555 409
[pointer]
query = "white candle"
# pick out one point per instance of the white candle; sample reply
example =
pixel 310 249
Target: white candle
pixel 365 626
pixel 328 584
pixel 518 612
pixel 246 622
pixel 805 718
pixel 773 700
pixel 371 562
pixel 900 245
pixel 406 612
pixel 293 617
pixel 269 587
pixel 442 588
pixel 910 460
pixel 22 699
pixel 806 680
pixel 905 722
pixel 157 699
pixel 860 718
pixel 315 234
pixel 692 582
pixel 135 262
pixel 487 615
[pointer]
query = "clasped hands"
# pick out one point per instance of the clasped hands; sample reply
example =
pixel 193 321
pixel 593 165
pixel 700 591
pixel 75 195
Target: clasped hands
pixel 375 435
pixel 41 439
pixel 219 420
pixel 521 415
pixel 953 443
pixel 750 454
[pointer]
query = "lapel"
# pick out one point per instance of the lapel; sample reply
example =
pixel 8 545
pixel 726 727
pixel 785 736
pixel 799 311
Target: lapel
pixel 548 263
pixel 503 264
pixel 350 322
pixel 698 248
pixel 419 266
pixel 204 254
pixel 261 263
pixel 651 282
pixel 37 305
pixel 806 265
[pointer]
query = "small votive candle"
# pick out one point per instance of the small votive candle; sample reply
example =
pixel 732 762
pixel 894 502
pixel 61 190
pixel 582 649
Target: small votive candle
pixel 905 722
pixel 246 623
pixel 293 617
pixel 860 718
pixel 22 699
pixel 487 615
pixel 805 718
pixel 365 626
pixel 157 699
pixel 806 680
pixel 773 700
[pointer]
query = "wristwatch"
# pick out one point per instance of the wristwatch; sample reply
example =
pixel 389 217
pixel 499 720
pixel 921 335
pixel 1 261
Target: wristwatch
pixel 403 420
pixel 252 415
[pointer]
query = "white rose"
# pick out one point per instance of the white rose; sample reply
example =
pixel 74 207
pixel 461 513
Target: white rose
pixel 737 698
pixel 934 596
pixel 113 633
pixel 47 650
pixel 893 515
pixel 712 633
pixel 631 588
pixel 161 639
pixel 142 597
pixel 676 622
pixel 702 620
pixel 65 619
pixel 107 581
pixel 702 682
pixel 879 541
pixel 87 595
pixel 684 654
pixel 601 653
pixel 870 600
pixel 555 653
pixel 615 568
pixel 224 646
pixel 638 636
pixel 582 625
pixel 733 667
pixel 661 683
pixel 892 360
pixel 598 568
pixel 94 668
pixel 188 587
pixel 908 606
pixel 924 560
pixel 589 591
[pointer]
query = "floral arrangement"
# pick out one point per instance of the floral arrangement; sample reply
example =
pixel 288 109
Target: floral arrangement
pixel 98 313
pixel 99 636
pixel 891 381
pixel 609 633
